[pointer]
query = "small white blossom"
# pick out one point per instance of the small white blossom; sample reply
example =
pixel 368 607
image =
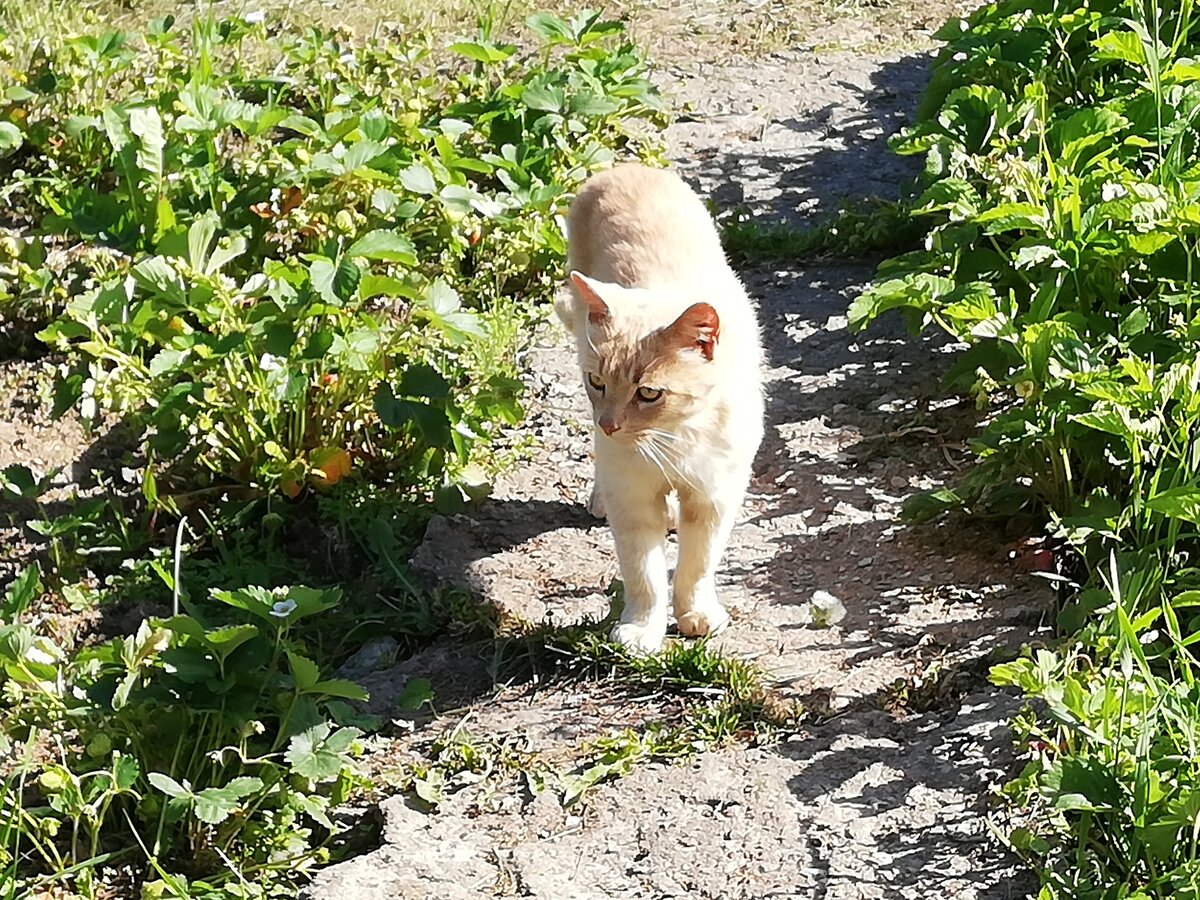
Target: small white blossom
pixel 283 608
pixel 1111 191
pixel 825 609
pixel 270 363
pixel 255 16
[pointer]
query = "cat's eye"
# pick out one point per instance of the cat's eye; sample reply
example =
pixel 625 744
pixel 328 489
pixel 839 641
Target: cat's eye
pixel 596 382
pixel 648 394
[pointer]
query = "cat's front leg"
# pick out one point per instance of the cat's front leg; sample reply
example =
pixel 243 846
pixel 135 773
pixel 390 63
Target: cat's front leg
pixel 705 523
pixel 639 528
pixel 595 504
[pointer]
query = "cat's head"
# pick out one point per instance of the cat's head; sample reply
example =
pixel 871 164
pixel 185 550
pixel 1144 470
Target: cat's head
pixel 645 371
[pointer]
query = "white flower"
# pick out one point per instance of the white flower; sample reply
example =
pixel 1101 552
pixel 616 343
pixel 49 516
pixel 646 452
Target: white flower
pixel 1111 191
pixel 270 363
pixel 254 17
pixel 826 609
pixel 283 608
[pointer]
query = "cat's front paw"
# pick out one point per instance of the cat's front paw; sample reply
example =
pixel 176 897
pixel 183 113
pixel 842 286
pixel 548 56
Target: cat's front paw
pixel 639 638
pixel 698 623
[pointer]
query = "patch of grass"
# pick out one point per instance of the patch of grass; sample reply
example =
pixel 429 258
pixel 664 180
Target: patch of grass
pixel 865 228
pixel 702 700
pixel 723 698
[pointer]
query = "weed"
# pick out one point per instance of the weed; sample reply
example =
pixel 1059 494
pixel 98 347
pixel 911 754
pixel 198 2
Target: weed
pixel 861 229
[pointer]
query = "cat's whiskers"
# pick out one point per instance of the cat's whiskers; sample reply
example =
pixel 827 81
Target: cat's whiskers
pixel 648 454
pixel 664 453
pixel 665 435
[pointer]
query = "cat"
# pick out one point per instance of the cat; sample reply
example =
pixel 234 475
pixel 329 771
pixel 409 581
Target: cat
pixel 671 356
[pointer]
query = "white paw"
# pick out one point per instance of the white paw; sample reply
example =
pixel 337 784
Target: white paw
pixel 697 623
pixel 639 638
pixel 595 504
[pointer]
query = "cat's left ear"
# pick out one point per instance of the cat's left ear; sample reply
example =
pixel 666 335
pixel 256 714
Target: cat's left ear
pixel 697 328
pixel 586 291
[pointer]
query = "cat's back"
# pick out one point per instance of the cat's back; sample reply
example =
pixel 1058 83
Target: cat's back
pixel 639 227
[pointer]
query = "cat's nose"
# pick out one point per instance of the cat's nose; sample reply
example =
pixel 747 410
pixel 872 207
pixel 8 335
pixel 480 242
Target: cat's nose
pixel 608 425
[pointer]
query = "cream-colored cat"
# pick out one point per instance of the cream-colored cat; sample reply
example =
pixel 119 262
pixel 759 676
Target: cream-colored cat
pixel 671 356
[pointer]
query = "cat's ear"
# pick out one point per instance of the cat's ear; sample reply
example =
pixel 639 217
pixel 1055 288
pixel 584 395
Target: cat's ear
pixel 586 291
pixel 696 328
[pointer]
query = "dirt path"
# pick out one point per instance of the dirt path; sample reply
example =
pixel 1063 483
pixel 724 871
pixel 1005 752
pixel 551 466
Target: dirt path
pixel 887 797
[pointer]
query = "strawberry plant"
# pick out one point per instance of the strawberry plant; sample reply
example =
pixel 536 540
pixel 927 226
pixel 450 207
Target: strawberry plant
pixel 297 265
pixel 1061 197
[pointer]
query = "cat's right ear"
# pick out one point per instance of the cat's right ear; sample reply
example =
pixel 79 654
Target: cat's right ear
pixel 585 290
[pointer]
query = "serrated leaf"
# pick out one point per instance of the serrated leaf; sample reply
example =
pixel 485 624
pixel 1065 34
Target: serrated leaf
pixel 215 804
pixel 418 179
pixel 417 692
pixel 305 672
pixel 550 27
pixel 423 380
pixel 11 138
pixel 362 153
pixel 125 772
pixel 317 754
pixel 340 687
pixel 430 788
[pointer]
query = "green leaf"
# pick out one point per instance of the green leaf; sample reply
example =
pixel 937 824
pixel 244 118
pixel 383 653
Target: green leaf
pixel 19 479
pixel 317 754
pixel 430 788
pixel 305 672
pixel 223 641
pixel 543 96
pixel 551 27
pixel 216 804
pixel 482 51
pixel 156 275
pixel 387 246
pixel 423 380
pixel 11 138
pixel 1178 503
pixel 1009 216
pixel 168 785
pixel 362 153
pixel 418 179
pixel 917 289
pixel 146 123
pixel 429 422
pixel 340 687
pixel 167 360
pixel 21 592
pixel 417 692
pixel 125 772
pixel 1123 46
pixel 346 278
